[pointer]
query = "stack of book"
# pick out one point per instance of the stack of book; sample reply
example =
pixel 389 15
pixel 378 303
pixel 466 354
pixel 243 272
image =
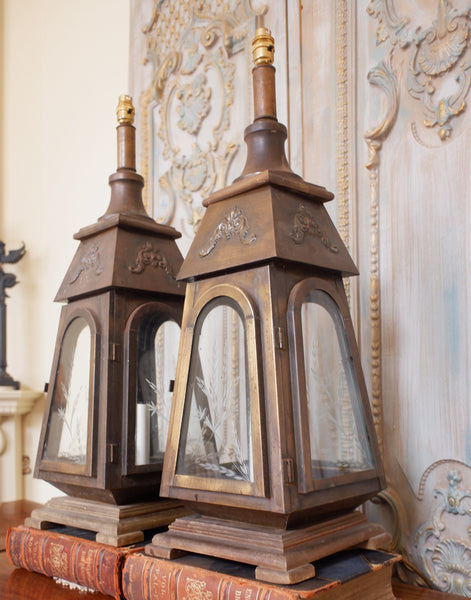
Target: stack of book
pixel 72 556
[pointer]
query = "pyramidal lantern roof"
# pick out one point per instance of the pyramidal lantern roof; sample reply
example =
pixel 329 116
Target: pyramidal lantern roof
pixel 270 209
pixel 125 241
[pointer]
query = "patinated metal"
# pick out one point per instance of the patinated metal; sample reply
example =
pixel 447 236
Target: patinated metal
pixel 265 249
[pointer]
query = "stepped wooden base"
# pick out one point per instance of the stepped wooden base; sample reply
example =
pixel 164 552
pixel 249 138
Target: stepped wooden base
pixel 114 525
pixel 281 556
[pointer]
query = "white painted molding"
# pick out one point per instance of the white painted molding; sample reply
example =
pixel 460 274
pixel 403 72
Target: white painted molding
pixel 17 402
pixel 14 404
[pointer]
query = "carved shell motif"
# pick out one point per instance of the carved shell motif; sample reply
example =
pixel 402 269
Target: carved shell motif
pixel 443 43
pixel 439 60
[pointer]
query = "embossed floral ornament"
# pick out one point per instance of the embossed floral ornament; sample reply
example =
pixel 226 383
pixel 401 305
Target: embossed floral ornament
pixel 440 46
pixel 234 223
pixel 305 223
pixel 452 561
pixel 439 59
pixel 90 262
pixel 446 560
pixel 148 257
pixel 191 51
pixel 194 107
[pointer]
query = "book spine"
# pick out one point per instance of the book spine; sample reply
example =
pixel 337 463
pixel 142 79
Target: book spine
pixel 85 563
pixel 149 578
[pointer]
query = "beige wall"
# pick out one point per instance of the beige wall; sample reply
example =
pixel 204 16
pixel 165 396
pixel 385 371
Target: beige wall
pixel 64 64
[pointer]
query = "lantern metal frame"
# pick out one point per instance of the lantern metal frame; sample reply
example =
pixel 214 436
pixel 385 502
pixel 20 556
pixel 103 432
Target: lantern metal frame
pixel 267 239
pixel 123 271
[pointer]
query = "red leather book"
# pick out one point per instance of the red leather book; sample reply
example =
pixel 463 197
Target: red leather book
pixel 80 561
pixel 347 575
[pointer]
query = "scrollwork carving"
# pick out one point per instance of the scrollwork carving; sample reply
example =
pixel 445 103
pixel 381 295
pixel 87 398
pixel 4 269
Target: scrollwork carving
pixel 305 223
pixel 234 224
pixel 383 77
pixel 439 59
pixel 194 107
pixel 446 558
pixel 190 44
pixel 148 257
pixel 90 262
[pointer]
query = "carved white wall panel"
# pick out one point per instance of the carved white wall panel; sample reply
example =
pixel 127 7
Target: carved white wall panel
pixel 194 101
pixel 14 404
pixel 416 127
pixel 375 95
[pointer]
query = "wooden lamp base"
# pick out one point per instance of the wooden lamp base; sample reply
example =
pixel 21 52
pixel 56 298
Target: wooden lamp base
pixel 116 525
pixel 281 556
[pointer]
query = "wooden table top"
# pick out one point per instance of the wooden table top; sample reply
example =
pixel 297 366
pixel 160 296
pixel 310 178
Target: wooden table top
pixel 18 584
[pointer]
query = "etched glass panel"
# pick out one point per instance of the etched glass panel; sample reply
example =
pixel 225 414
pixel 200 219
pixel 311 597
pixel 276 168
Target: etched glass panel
pixel 67 430
pixel 338 437
pixel 157 349
pixel 216 434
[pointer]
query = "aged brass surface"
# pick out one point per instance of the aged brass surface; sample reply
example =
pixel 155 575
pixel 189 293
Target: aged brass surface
pixel 120 291
pixel 125 110
pixel 267 252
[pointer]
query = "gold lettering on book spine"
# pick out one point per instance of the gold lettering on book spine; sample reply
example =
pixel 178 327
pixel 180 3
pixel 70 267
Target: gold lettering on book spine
pixel 58 559
pixel 196 590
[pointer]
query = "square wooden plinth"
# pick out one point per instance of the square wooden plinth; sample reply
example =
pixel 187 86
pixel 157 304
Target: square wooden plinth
pixel 280 556
pixel 114 525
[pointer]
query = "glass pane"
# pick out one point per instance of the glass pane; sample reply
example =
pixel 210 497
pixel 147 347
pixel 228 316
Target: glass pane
pixel 216 434
pixel 338 437
pixel 67 431
pixel 157 350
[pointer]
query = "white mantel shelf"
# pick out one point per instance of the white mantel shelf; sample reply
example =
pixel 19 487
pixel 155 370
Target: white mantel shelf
pixel 17 402
pixel 14 404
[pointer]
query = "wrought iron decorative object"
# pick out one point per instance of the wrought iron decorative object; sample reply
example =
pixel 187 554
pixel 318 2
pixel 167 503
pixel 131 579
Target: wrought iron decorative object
pixel 271 440
pixel 104 429
pixel 7 280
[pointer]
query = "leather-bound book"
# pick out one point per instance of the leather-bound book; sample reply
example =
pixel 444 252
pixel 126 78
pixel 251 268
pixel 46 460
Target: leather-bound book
pixel 348 575
pixel 65 556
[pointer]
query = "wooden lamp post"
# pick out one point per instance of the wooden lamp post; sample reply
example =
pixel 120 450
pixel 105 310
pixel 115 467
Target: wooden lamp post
pixel 104 429
pixel 271 440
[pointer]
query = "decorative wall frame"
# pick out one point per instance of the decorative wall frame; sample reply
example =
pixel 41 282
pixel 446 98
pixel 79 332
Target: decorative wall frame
pixel 438 74
pixel 188 110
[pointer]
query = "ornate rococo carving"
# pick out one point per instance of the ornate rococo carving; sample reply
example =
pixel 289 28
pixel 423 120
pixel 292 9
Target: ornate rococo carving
pixel 383 77
pixel 445 557
pixel 234 224
pixel 189 48
pixel 439 58
pixel 90 262
pixel 148 257
pixel 304 222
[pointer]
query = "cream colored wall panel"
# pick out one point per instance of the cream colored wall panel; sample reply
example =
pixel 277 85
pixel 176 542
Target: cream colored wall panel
pixel 375 97
pixel 417 61
pixel 193 98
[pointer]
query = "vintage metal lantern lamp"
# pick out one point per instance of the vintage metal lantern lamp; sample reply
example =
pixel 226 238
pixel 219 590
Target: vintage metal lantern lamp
pixel 105 425
pixel 271 441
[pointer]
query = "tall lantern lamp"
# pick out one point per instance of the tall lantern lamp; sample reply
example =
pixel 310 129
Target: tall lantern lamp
pixel 105 425
pixel 271 439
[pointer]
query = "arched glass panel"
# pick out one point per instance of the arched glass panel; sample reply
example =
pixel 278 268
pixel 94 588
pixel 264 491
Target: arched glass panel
pixel 67 430
pixel 337 433
pixel 157 350
pixel 216 434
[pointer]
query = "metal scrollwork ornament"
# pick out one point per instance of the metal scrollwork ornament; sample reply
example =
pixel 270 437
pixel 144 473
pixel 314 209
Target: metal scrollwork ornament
pixel 7 280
